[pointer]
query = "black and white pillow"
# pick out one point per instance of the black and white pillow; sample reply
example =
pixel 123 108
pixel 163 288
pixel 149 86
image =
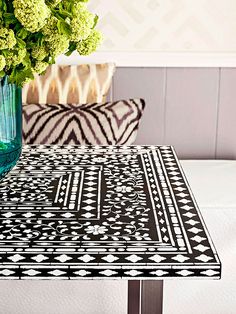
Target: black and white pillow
pixel 112 123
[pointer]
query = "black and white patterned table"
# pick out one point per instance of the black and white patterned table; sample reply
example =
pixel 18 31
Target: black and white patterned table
pixel 69 212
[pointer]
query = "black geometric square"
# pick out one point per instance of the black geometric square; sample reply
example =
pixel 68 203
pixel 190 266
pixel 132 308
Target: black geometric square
pixel 72 212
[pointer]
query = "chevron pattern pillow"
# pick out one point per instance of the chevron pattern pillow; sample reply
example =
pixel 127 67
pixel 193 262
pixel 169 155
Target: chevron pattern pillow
pixel 68 84
pixel 112 123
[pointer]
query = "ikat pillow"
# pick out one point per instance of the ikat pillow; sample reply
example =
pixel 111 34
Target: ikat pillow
pixel 67 84
pixel 112 123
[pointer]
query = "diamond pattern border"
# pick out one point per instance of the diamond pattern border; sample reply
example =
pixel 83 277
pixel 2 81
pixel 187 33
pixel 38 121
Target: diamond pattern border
pixel 44 241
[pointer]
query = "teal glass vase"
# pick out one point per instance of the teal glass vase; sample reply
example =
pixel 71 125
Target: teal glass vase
pixel 10 125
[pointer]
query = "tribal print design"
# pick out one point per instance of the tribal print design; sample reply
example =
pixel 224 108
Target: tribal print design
pixel 112 123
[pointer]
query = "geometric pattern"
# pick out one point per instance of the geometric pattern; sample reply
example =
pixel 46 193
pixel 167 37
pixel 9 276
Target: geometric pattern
pixel 71 84
pixel 90 212
pixel 108 123
pixel 171 26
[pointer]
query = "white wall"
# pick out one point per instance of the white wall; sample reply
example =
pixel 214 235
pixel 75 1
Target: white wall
pixel 166 32
pixel 167 25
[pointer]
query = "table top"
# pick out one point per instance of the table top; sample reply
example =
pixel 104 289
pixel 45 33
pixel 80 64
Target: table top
pixel 102 212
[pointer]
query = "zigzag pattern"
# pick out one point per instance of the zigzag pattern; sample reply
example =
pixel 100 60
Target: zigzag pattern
pixel 70 84
pixel 114 123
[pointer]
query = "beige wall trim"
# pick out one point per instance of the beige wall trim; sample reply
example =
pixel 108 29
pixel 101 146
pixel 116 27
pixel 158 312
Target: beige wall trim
pixel 155 59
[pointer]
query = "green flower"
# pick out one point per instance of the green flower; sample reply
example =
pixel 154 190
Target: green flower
pixel 50 29
pixel 39 53
pixel 7 38
pixel 26 81
pixel 58 45
pixel 15 56
pixel 34 32
pixel 82 23
pixel 2 62
pixel 78 7
pixel 90 45
pixel 40 67
pixel 32 14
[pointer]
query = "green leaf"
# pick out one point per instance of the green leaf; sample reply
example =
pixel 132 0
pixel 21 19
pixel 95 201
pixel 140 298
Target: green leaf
pixel 65 13
pixel 68 53
pixel 72 48
pixel 17 27
pixel 19 75
pixel 22 33
pixel 4 6
pixel 2 74
pixel 51 60
pixel 64 28
pixel 9 6
pixel 27 61
pixel 96 19
pixel 61 14
pixel 9 18
pixel 20 43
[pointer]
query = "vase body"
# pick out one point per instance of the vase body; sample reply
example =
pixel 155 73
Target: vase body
pixel 10 125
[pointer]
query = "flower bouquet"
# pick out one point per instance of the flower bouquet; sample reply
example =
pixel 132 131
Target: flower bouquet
pixel 32 34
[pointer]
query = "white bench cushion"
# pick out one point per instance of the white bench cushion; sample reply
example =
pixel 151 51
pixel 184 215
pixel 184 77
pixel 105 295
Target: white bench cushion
pixel 213 182
pixel 214 186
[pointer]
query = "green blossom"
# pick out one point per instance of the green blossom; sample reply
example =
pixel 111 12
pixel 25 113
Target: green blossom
pixel 15 56
pixel 40 67
pixel 90 44
pixel 50 28
pixel 82 23
pixel 26 81
pixel 39 53
pixel 34 32
pixel 58 45
pixel 32 14
pixel 7 38
pixel 78 7
pixel 2 62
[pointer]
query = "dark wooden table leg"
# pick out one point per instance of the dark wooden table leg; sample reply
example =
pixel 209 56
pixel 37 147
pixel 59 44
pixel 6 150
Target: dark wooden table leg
pixel 145 297
pixel 134 287
pixel 151 297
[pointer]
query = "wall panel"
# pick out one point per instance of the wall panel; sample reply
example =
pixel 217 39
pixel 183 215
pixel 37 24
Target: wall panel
pixel 191 111
pixel 226 143
pixel 147 83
